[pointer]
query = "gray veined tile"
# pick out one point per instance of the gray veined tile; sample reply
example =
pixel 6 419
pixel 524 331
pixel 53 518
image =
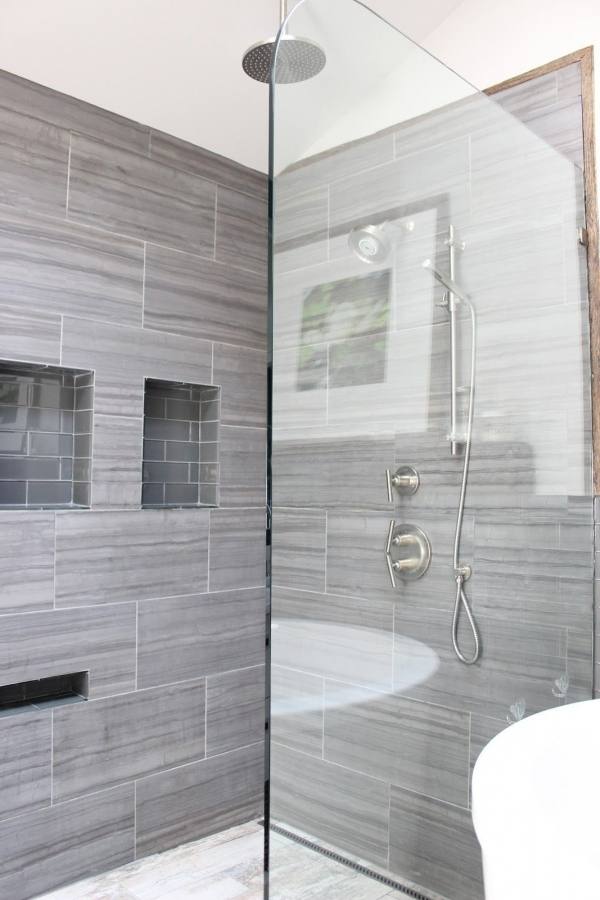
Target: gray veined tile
pixel 203 634
pixel 103 743
pixel 27 584
pixel 298 548
pixel 25 757
pixel 343 808
pixel 297 710
pixel 101 640
pixel 117 461
pixel 104 556
pixel 32 338
pixel 133 195
pixel 416 745
pixel 69 841
pixel 301 232
pixel 241 230
pixel 202 298
pixel 33 163
pixel 243 466
pixel 242 375
pixel 182 155
pixel 347 639
pixel 434 845
pixel 199 799
pixel 237 535
pixel 56 267
pixel 22 96
pixel 235 710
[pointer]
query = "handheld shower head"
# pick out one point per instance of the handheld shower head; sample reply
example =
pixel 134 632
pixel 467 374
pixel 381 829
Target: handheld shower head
pixel 446 281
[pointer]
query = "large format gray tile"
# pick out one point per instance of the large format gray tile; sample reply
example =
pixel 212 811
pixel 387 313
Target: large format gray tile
pixel 297 709
pixel 131 194
pixel 241 230
pixel 243 466
pixel 237 548
pixel 55 267
pixel 122 357
pixel 182 155
pixel 30 338
pixel 187 637
pixel 33 164
pixel 298 548
pixel 106 742
pixel 235 710
pixel 419 746
pixel 186 294
pixel 343 808
pixel 349 639
pixel 69 841
pixel 117 461
pixel 27 584
pixel 242 375
pixel 22 96
pixel 199 799
pixel 102 557
pixel 434 845
pixel 100 640
pixel 25 759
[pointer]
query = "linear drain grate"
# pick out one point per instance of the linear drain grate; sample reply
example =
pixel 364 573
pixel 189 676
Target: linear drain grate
pixel 331 854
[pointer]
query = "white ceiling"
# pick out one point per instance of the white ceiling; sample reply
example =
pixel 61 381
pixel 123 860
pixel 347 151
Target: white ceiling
pixel 171 64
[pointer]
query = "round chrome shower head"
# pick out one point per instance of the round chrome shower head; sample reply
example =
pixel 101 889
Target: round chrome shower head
pixel 369 242
pixel 298 59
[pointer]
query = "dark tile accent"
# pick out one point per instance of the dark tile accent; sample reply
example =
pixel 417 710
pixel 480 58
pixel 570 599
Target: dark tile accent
pixel 199 799
pixel 182 638
pixel 133 195
pixel 103 743
pixel 70 841
pixel 25 754
pixel 204 299
pixel 237 534
pixel 241 230
pixel 100 640
pixel 235 710
pixel 103 557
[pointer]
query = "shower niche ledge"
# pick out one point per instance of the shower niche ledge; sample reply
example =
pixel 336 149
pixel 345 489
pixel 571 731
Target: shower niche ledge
pixel 45 436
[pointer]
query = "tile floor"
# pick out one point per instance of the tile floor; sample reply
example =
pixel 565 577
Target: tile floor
pixel 229 865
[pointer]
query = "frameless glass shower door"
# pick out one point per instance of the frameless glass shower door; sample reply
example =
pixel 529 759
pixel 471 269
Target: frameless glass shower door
pixel 432 521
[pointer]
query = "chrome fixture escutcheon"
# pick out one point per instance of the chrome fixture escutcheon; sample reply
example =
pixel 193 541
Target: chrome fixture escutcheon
pixel 405 480
pixel 407 552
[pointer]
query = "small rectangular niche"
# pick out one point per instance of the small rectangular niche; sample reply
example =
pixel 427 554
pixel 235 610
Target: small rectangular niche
pixel 181 445
pixel 45 436
pixel 55 690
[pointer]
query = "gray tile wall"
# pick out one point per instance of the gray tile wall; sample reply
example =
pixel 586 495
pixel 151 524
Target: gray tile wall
pixel 112 263
pixel 376 725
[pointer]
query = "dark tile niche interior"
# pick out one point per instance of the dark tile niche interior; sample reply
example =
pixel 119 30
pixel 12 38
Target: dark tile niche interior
pixel 45 436
pixel 181 444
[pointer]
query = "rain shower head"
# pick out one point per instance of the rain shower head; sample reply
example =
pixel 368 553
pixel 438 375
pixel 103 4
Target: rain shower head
pixel 369 242
pixel 445 281
pixel 297 58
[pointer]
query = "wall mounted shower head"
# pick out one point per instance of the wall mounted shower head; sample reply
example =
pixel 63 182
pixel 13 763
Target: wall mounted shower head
pixel 297 58
pixel 369 242
pixel 446 281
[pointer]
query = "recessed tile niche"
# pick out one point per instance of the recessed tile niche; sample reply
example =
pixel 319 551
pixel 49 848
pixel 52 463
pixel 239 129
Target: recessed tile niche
pixel 181 444
pixel 45 436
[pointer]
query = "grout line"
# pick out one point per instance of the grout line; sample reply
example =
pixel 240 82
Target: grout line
pixel 68 174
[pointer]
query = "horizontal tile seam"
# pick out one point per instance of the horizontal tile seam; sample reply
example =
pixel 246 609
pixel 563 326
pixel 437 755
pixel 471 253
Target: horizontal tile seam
pixel 199 762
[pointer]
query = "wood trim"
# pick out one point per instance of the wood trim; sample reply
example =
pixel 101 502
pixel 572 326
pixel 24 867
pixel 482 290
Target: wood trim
pixel 585 58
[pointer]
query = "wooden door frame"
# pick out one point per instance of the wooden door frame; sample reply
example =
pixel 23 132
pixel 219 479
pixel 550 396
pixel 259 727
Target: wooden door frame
pixel 585 58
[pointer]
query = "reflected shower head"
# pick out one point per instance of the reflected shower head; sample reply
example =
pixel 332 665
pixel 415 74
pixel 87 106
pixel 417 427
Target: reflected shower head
pixel 298 59
pixel 446 281
pixel 369 242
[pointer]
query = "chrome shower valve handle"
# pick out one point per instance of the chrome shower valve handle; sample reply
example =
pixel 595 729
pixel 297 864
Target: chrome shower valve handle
pixel 405 480
pixel 411 538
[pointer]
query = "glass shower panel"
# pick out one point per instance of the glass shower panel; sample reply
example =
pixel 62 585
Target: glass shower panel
pixel 384 162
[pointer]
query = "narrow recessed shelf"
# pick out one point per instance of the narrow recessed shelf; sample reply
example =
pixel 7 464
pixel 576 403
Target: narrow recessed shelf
pixel 42 693
pixel 181 445
pixel 45 436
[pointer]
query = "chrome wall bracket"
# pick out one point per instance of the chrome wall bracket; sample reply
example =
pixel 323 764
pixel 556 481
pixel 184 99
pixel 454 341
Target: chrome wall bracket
pixel 405 480
pixel 407 552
